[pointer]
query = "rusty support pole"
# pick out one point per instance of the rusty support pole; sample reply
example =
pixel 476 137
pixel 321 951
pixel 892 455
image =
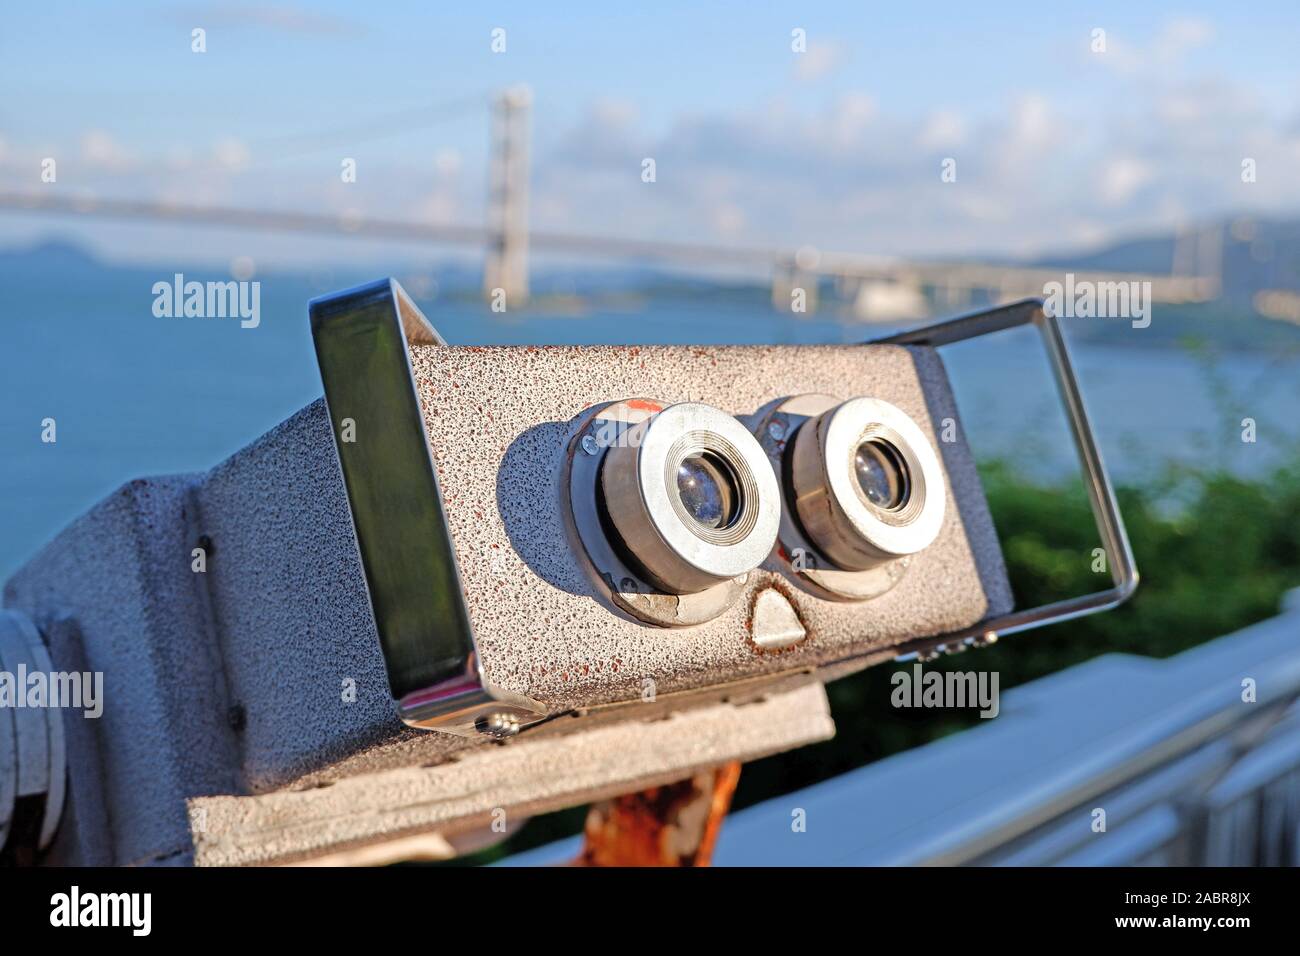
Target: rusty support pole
pixel 672 825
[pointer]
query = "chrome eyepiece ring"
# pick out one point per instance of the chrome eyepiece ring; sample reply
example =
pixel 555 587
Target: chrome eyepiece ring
pixel 868 484
pixel 693 497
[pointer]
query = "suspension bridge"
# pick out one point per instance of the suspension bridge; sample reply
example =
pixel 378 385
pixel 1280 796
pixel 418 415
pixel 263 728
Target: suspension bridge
pixel 882 287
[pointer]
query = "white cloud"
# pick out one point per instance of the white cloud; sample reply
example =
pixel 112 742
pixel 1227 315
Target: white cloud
pixel 1036 175
pixel 613 113
pixel 231 154
pixel 101 150
pixel 728 219
pixel 943 129
pixel 1032 124
pixel 1120 178
pixel 447 162
pixel 1167 49
pixel 853 114
pixel 821 59
pixel 1180 36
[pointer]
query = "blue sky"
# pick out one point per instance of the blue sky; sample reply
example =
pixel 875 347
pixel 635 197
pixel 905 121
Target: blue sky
pixel 840 147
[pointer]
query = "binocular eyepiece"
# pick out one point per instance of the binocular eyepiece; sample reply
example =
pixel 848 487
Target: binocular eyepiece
pixel 691 500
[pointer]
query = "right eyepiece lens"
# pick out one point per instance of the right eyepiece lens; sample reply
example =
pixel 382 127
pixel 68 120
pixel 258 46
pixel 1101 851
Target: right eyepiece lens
pixel 868 486
pixel 708 490
pixel 881 474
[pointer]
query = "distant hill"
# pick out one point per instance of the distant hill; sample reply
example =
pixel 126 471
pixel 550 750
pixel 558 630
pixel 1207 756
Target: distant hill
pixel 1249 254
pixel 53 256
pixel 1154 255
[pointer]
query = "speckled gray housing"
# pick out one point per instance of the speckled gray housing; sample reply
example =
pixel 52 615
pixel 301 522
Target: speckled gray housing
pixel 232 682
pixel 499 421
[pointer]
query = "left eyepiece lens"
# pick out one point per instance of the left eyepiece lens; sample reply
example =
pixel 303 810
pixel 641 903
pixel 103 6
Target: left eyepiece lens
pixel 708 490
pixel 692 496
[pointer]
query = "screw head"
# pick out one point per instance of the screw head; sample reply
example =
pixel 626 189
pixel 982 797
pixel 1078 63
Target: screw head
pixel 590 445
pixel 776 428
pixel 499 726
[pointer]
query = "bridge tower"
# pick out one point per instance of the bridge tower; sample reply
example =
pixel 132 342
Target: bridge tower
pixel 506 267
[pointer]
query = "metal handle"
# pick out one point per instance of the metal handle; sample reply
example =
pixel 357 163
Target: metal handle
pixel 1105 510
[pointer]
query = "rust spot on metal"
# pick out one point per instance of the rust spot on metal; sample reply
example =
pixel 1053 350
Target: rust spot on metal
pixel 672 825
